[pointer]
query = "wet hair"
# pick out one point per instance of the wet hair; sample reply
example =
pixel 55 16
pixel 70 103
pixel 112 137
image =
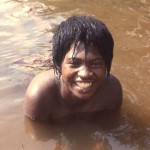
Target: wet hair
pixel 86 29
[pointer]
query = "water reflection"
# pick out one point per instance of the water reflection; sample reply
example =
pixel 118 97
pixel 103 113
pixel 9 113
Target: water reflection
pixel 77 133
pixel 108 130
pixel 26 29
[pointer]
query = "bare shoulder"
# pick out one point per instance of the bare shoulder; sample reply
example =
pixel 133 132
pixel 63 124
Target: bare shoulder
pixel 39 96
pixel 113 92
pixel 42 81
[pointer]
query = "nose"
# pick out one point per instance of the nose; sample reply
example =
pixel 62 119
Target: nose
pixel 85 73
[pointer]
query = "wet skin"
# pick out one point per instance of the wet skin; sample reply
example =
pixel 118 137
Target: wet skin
pixel 82 90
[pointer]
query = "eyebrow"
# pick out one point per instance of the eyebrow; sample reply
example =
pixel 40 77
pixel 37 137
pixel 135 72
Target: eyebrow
pixel 98 58
pixel 78 59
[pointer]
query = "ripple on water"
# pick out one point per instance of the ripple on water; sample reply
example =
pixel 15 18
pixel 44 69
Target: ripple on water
pixel 26 30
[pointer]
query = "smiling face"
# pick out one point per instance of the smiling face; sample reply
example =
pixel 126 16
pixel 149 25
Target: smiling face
pixel 82 75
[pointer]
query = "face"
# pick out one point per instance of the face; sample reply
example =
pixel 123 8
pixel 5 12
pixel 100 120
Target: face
pixel 83 75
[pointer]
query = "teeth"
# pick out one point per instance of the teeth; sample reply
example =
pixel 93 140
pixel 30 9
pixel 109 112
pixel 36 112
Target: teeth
pixel 84 84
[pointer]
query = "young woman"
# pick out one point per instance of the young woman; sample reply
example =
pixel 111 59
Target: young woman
pixel 81 83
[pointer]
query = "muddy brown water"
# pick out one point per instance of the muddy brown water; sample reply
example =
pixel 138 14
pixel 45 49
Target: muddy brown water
pixel 26 29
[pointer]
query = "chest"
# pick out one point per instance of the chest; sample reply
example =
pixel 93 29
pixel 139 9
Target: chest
pixel 87 109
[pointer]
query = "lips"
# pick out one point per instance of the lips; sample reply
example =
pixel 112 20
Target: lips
pixel 84 85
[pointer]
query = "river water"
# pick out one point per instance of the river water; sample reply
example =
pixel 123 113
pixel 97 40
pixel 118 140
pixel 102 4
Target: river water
pixel 26 29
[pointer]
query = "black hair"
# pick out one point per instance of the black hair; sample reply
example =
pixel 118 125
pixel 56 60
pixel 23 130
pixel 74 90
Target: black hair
pixel 86 29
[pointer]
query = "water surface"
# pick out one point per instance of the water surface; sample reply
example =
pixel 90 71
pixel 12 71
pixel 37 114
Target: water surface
pixel 26 29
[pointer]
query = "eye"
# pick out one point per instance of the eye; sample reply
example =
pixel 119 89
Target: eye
pixel 74 63
pixel 97 64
